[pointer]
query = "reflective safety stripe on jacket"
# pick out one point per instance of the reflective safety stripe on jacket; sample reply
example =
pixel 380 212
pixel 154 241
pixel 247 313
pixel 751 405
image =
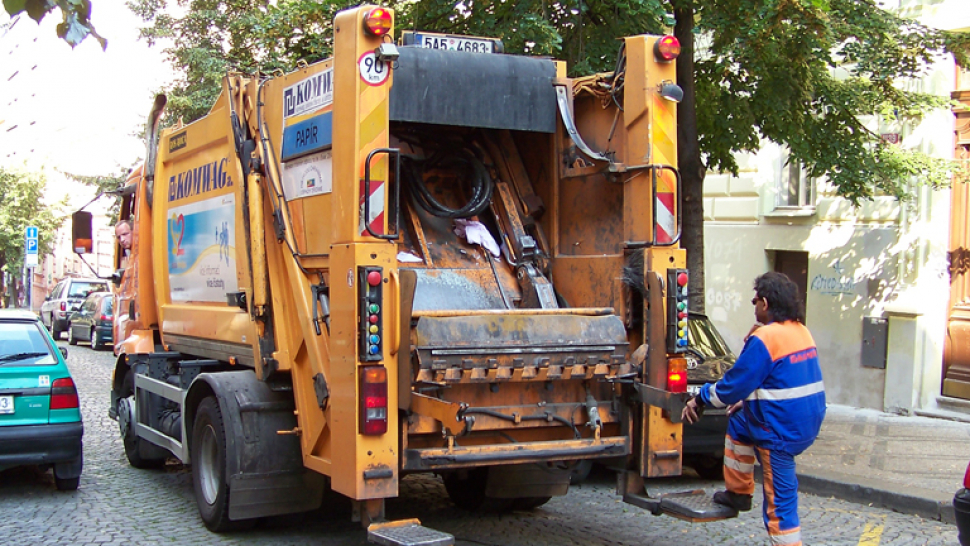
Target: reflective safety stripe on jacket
pixel 779 378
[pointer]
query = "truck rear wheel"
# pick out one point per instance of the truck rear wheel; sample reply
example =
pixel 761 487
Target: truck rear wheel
pixel 467 490
pixel 126 424
pixel 208 451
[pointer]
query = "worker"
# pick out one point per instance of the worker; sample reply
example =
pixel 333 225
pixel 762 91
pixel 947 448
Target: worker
pixel 776 400
pixel 123 234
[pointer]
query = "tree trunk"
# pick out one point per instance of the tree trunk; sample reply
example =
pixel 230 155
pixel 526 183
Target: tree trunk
pixel 692 170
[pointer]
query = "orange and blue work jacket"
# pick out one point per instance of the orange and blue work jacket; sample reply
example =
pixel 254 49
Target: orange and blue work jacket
pixel 779 378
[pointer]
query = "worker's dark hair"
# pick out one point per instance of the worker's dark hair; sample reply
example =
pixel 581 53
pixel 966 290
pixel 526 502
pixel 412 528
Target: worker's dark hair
pixel 782 296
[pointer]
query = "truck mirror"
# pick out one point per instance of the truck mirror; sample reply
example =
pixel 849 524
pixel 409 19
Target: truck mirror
pixel 81 240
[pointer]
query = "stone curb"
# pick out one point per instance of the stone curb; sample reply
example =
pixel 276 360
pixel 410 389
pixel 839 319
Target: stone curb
pixel 905 499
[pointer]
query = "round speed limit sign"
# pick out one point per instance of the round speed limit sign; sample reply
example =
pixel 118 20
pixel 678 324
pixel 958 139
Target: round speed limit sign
pixel 373 71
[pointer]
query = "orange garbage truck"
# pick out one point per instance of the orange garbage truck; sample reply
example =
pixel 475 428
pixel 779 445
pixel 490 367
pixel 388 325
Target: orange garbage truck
pixel 418 256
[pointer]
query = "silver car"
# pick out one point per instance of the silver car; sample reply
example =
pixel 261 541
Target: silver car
pixel 65 299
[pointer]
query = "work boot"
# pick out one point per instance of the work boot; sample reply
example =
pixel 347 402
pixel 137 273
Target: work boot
pixel 741 503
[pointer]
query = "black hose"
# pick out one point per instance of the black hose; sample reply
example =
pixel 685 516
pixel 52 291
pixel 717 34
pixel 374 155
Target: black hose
pixel 475 176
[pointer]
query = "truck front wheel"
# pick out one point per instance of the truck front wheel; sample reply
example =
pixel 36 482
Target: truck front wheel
pixel 208 452
pixel 126 425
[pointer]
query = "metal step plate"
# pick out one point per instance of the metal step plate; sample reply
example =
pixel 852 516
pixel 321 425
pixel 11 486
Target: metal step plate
pixel 695 506
pixel 407 533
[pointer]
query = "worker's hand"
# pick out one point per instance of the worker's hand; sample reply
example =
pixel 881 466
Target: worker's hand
pixel 735 407
pixel 690 413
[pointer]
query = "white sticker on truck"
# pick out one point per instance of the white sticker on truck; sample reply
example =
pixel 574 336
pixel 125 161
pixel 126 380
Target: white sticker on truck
pixel 308 176
pixel 201 250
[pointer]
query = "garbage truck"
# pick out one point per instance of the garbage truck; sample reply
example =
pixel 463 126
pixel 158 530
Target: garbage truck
pixel 422 255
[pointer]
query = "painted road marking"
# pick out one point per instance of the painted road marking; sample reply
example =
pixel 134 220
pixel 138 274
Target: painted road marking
pixel 871 535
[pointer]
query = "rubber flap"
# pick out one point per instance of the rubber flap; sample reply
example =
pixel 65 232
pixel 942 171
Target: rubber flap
pixel 474 90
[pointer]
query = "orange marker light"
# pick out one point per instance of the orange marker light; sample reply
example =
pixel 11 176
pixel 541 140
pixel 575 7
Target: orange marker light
pixel 377 22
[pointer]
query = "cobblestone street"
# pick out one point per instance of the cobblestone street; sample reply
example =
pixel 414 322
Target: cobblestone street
pixel 118 504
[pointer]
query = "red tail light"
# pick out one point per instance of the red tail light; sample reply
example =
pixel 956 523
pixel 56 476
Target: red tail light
pixel 63 306
pixel 105 317
pixel 677 375
pixel 377 22
pixel 666 49
pixel 373 400
pixel 64 394
pixel 966 478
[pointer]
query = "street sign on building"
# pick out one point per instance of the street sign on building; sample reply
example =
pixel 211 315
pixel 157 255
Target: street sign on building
pixel 30 246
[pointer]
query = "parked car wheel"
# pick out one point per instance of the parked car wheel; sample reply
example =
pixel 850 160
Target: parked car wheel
pixel 961 509
pixel 71 338
pixel 96 342
pixel 55 331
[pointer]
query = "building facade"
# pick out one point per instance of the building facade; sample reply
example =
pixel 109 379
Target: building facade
pixel 875 278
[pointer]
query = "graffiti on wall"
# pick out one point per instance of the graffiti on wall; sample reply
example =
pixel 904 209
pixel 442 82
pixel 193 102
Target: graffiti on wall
pixel 833 283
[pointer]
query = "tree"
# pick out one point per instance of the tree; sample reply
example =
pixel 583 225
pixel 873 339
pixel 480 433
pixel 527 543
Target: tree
pixel 212 37
pixel 76 23
pixel 105 184
pixel 764 71
pixel 23 205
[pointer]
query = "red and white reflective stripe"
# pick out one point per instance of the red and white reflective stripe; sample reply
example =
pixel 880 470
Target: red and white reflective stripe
pixel 376 204
pixel 666 224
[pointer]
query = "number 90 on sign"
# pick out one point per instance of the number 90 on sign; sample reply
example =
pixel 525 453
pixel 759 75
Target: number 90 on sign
pixel 373 71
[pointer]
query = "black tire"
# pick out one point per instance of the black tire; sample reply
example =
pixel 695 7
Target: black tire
pixel 71 340
pixel 529 503
pixel 208 451
pixel 67 475
pixel 708 467
pixel 67 484
pixel 468 492
pixel 132 442
pixel 580 472
pixel 96 342
pixel 55 331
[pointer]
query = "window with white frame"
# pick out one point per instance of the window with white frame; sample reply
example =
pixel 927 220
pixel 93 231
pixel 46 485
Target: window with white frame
pixel 795 189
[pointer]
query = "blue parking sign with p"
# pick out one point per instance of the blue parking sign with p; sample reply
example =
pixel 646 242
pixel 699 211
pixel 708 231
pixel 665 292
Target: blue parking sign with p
pixel 31 240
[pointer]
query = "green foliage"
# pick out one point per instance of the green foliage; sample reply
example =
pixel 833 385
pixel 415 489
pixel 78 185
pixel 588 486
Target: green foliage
pixel 105 184
pixel 212 37
pixel 806 75
pixel 22 195
pixel 75 25
pixel 583 33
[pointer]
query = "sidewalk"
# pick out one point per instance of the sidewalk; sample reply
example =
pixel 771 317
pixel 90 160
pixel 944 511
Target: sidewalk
pixel 912 465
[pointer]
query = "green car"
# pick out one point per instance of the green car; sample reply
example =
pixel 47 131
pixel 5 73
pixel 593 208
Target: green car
pixel 40 415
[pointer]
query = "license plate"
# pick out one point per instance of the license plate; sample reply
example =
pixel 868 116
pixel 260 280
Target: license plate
pixel 6 404
pixel 454 43
pixel 694 390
